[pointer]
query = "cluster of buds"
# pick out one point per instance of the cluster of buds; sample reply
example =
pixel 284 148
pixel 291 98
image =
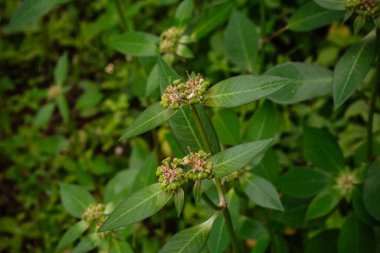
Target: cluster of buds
pixel 169 40
pixel 345 183
pixel 171 175
pixel 190 92
pixel 94 212
pixel 366 8
pixel 199 168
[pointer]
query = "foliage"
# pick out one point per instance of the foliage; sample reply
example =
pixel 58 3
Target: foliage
pixel 190 126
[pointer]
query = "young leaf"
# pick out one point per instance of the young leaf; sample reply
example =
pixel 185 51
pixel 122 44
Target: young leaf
pixel 263 124
pixel 261 192
pixel 307 81
pixel 233 159
pixel 322 150
pixel 166 74
pixel 179 197
pixel 87 244
pixel 153 81
pixel 311 16
pixel 75 199
pixel 135 43
pixel 61 69
pixel 243 89
pixel 44 115
pixel 190 240
pixel 153 116
pixel 184 11
pixel 227 126
pixel 137 207
pixel 120 247
pixel 331 4
pixel 323 203
pixel 63 108
pixel 352 68
pixel 242 41
pixel 198 190
pixel 371 191
pixel 302 183
pixel 211 19
pixel 72 234
pixel 30 11
pixel 356 237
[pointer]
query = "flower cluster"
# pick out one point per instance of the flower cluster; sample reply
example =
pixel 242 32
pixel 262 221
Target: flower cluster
pixel 346 182
pixel 94 212
pixel 169 40
pixel 172 176
pixel 190 92
pixel 199 168
pixel 366 8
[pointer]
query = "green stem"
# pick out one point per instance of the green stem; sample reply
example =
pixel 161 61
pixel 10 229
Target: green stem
pixel 218 184
pixel 200 128
pixel 121 15
pixel 262 33
pixel 372 104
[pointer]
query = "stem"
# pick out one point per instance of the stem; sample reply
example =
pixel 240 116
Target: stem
pixel 218 184
pixel 121 15
pixel 200 128
pixel 262 33
pixel 372 104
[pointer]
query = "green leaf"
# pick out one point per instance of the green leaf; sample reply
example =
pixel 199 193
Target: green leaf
pixel 302 183
pixel 146 174
pixel 184 51
pixel 323 203
pixel 371 191
pixel 87 244
pixel 198 190
pixel 152 117
pixel 153 80
pixel 331 4
pixel 43 115
pixel 89 99
pixel 261 192
pixel 263 124
pixel 166 74
pixel 211 19
pixel 63 108
pixel 137 207
pixel 311 16
pixel 322 150
pixel 120 186
pixel 233 159
pixel 243 89
pixel 352 68
pixel 179 198
pixel 135 43
pixel 242 41
pixel 184 11
pixel 307 81
pixel 72 234
pixel 61 69
pixel 269 167
pixel 294 212
pixel 28 12
pixel 359 207
pixel 75 199
pixel 120 247
pixel 227 126
pixel 325 242
pixel 356 237
pixel 190 240
pixel 187 134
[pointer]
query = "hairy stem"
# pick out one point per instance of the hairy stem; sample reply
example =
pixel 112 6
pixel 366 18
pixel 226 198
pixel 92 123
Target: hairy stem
pixel 218 184
pixel 372 104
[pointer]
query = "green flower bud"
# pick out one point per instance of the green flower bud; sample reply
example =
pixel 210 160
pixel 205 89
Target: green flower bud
pixel 209 166
pixel 176 82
